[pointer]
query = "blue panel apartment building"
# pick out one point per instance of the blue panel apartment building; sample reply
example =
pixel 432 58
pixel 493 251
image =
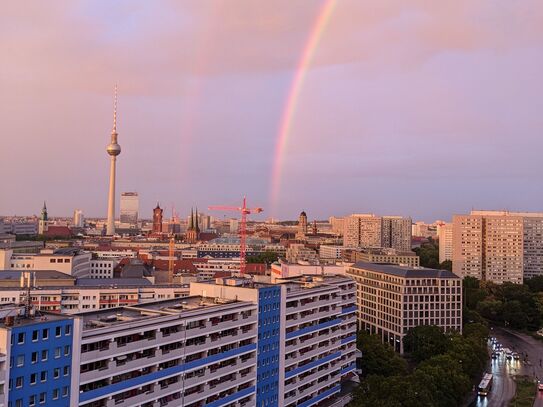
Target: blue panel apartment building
pixel 39 355
pixel 233 342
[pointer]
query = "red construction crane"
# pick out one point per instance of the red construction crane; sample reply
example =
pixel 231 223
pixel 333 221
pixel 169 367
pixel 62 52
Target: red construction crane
pixel 242 228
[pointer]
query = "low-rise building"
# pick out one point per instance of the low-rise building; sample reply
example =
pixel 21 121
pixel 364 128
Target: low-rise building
pixel 382 256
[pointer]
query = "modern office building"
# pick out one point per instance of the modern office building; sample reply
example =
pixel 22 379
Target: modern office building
pixel 129 206
pixel 371 231
pixel 393 299
pixel 445 237
pixel 498 246
pixel 79 219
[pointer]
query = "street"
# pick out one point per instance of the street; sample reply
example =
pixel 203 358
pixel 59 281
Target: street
pixel 531 355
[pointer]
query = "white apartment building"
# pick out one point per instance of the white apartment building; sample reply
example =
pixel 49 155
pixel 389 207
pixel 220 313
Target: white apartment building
pixel 72 261
pixel 195 352
pixel 371 231
pixel 498 246
pixel 393 299
pixel 94 295
pixel 331 252
pixel 445 236
pixel 312 333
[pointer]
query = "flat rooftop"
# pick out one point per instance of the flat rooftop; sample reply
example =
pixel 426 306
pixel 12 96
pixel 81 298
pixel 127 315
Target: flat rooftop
pixel 115 316
pixel 40 274
pixel 405 271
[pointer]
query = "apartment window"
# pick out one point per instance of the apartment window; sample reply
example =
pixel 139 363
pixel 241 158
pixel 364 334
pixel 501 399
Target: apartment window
pixel 33 378
pixel 44 355
pixel 43 376
pixel 57 352
pixel 66 370
pixel 56 373
pixel 32 401
pixel 42 398
pixel 58 331
pixel 45 333
pixel 20 360
pixel 65 391
pixel 68 330
pixel 19 403
pixel 56 394
pixel 19 382
pixel 21 338
pixel 34 336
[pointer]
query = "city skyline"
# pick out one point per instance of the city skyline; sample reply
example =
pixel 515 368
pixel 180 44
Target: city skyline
pixel 197 107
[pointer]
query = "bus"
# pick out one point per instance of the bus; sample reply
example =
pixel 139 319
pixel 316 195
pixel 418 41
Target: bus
pixel 485 385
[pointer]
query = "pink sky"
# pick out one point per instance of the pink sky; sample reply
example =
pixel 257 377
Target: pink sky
pixel 422 109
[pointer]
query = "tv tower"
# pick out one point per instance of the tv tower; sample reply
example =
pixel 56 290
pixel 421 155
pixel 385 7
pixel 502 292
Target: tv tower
pixel 113 149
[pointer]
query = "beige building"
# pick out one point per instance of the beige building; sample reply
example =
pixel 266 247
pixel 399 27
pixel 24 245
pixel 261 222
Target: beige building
pixel 393 299
pixel 498 246
pixel 445 237
pixel 382 256
pixel 337 224
pixel 371 231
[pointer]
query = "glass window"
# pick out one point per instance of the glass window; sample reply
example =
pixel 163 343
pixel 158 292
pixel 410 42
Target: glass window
pixel 20 360
pixel 65 390
pixel 58 331
pixel 57 352
pixel 67 330
pixel 43 376
pixel 21 338
pixel 33 378
pixel 34 336
pixel 56 373
pixel 56 394
pixel 19 382
pixel 66 370
pixel 42 398
pixel 34 358
pixel 45 333
pixel 19 403
pixel 66 350
pixel 32 401
pixel 44 354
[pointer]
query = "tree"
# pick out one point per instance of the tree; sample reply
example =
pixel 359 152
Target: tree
pixel 446 265
pixel 425 341
pixel 266 257
pixel 379 358
pixel 535 284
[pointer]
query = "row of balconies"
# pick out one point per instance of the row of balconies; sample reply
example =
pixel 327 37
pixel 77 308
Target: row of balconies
pixel 160 356
pixel 248 365
pixel 112 349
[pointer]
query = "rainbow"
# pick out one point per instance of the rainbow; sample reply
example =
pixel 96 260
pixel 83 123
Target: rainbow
pixel 315 34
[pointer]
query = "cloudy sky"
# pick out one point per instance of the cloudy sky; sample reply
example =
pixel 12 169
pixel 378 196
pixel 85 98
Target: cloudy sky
pixel 419 108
